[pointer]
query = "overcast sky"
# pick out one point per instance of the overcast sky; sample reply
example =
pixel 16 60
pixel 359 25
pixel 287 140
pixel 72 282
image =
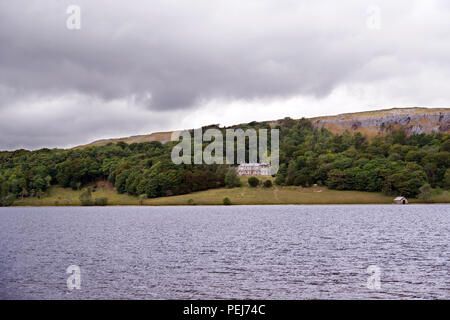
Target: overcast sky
pixel 136 67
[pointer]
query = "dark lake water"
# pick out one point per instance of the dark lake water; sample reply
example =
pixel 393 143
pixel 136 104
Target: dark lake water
pixel 244 252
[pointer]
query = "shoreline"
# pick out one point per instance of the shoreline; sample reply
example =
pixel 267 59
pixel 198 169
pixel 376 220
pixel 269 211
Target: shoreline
pixel 221 205
pixel 244 195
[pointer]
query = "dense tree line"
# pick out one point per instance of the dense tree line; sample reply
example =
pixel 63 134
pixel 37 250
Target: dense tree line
pixel 136 169
pixel 393 163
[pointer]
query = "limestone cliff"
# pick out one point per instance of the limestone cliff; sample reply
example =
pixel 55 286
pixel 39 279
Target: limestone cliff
pixel 414 120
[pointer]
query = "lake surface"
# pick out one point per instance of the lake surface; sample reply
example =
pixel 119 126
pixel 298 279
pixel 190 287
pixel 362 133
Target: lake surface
pixel 244 252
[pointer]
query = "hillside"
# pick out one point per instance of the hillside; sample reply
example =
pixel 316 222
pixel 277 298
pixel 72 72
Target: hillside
pixel 156 136
pixel 414 120
pixel 414 166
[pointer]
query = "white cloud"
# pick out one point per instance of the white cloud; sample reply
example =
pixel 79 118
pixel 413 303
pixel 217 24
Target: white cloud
pixel 164 65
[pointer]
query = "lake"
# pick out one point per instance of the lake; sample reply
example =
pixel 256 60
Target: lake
pixel 242 252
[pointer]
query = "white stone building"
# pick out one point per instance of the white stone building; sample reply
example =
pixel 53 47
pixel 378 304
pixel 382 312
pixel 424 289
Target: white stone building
pixel 253 169
pixel 401 200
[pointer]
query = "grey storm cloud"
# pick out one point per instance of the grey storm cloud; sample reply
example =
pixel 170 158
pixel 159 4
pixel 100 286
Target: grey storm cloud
pixel 170 55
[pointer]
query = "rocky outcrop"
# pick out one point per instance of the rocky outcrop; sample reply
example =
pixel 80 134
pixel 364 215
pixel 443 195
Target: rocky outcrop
pixel 413 120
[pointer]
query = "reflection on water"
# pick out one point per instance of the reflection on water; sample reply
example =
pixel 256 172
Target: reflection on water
pixel 244 252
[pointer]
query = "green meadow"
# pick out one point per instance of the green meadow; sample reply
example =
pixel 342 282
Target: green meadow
pixel 244 195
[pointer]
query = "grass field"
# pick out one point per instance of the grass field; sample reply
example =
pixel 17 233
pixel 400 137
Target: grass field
pixel 244 195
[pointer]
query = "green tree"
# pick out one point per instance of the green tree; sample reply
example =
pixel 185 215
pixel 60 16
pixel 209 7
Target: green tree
pixel 6 201
pixel 86 197
pixel 268 184
pixel 425 192
pixel 121 181
pixel 336 180
pixel 447 179
pixel 232 179
pixel 226 201
pixel 253 182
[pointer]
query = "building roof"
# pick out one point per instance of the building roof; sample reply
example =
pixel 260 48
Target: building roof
pixel 253 164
